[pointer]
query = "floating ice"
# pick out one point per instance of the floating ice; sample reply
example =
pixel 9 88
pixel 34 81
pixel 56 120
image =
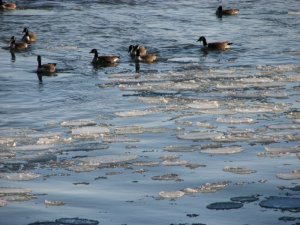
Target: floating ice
pixel 89 131
pixel 32 147
pixel 133 113
pixel 78 123
pixel 108 159
pixel 7 155
pixel 176 162
pixel 20 176
pixel 154 100
pixel 54 203
pixel 82 168
pixel 225 205
pixel 198 135
pixel 129 130
pixel 3 202
pixel 171 194
pixel 40 158
pixel 9 142
pixel 232 120
pixel 48 140
pixel 281 150
pixel 223 150
pixel 172 148
pixel 284 126
pixel 238 170
pixel 11 190
pixel 146 163
pixel 244 199
pixel 294 175
pixel 204 104
pixel 119 139
pixel 284 203
pixel 207 188
pixel 167 177
pixel 184 60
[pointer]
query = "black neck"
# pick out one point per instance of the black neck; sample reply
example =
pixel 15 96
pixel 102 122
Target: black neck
pixel 96 54
pixel 39 62
pixel 204 41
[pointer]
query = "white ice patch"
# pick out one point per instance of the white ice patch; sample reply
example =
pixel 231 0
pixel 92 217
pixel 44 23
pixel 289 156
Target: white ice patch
pixel 231 120
pixel 184 60
pixel 294 175
pixel 108 159
pixel 198 135
pixel 48 140
pixel 89 131
pixel 3 202
pixel 284 126
pixel 19 176
pixel 207 188
pixel 154 100
pixel 223 150
pixel 11 191
pixel 134 113
pixel 281 150
pixel 78 123
pixel 204 104
pixel 53 203
pixel 238 170
pixel 32 147
pixel 176 162
pixel 171 194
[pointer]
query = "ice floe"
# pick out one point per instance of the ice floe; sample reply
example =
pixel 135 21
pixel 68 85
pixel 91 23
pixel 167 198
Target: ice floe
pixel 32 147
pixel 40 157
pixel 245 199
pixel 294 175
pixel 238 170
pixel 173 148
pixel 136 112
pixel 167 177
pixel 89 131
pixel 284 203
pixel 207 188
pixel 199 135
pixel 231 120
pixel 204 104
pixel 171 194
pixel 22 176
pixel 53 203
pixel 224 205
pixel 12 190
pixel 78 123
pixel 223 150
pixel 281 150
pixel 107 159
pixel 48 140
pixel 184 60
pixel 3 202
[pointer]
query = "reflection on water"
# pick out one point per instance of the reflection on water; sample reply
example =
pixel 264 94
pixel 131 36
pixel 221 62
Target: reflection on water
pixel 184 135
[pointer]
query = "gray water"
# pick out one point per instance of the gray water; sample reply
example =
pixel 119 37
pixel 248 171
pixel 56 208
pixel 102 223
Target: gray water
pixel 246 98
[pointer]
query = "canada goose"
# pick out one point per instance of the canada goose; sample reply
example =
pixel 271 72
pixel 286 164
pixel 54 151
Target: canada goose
pixel 13 45
pixel 104 60
pixel 147 58
pixel 215 45
pixel 226 12
pixel 28 36
pixel 45 68
pixel 133 48
pixel 9 6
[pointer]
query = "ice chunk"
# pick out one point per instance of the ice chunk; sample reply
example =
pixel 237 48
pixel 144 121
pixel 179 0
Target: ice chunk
pixel 171 194
pixel 284 203
pixel 108 159
pixel 53 203
pixel 207 188
pixel 232 120
pixel 129 130
pixel 7 155
pixel 294 175
pixel 223 150
pixel 281 150
pixel 89 131
pixel 146 163
pixel 20 176
pixel 238 170
pixel 48 140
pixel 184 60
pixel 167 177
pixel 154 100
pixel 204 104
pixel 3 202
pixel 198 135
pixel 40 158
pixel 177 162
pixel 11 190
pixel 82 168
pixel 133 113
pixel 78 123
pixel 225 205
pixel 284 126
pixel 32 147
pixel 172 148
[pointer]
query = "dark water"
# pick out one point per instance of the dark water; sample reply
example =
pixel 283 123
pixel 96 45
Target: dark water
pixel 245 97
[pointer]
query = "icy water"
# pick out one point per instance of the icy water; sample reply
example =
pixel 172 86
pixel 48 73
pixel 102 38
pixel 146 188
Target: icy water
pixel 194 138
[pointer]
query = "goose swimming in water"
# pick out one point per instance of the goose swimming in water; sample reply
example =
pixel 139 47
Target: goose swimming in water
pixel 29 36
pixel 9 6
pixel 214 45
pixel 105 60
pixel 226 12
pixel 14 45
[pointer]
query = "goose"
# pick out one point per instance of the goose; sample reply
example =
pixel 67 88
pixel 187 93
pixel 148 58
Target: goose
pixel 147 58
pixel 17 45
pixel 226 12
pixel 45 68
pixel 215 45
pixel 9 6
pixel 104 60
pixel 29 36
pixel 133 49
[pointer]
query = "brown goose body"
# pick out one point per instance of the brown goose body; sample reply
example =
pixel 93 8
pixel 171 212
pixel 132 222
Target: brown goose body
pixel 104 60
pixel 226 12
pixel 17 45
pixel 45 68
pixel 28 37
pixel 147 58
pixel 9 6
pixel 214 45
